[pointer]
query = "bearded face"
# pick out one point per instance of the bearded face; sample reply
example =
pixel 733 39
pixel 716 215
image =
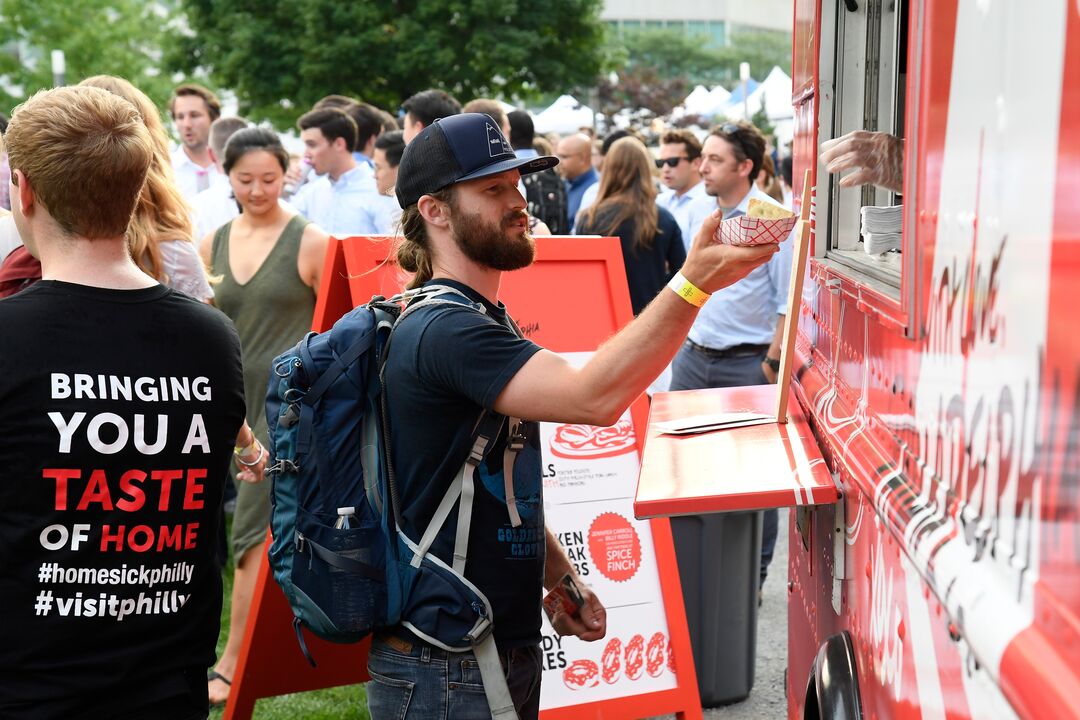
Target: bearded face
pixel 504 245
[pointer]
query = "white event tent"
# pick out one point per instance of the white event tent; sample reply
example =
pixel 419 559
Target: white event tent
pixel 702 101
pixel 774 93
pixel 564 116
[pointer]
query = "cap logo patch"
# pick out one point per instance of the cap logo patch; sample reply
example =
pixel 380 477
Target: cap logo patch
pixel 497 145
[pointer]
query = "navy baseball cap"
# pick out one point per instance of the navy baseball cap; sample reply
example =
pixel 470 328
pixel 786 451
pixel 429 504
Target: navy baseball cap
pixel 456 148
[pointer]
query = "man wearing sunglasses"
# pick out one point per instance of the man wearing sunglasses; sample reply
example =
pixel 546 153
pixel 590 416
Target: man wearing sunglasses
pixel 679 164
pixel 736 338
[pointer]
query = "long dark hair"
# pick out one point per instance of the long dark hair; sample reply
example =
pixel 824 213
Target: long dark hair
pixel 626 192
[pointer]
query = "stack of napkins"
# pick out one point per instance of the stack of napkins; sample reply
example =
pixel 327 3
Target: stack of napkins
pixel 881 228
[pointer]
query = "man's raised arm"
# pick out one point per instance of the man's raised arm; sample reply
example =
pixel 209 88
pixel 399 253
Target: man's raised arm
pixel 547 388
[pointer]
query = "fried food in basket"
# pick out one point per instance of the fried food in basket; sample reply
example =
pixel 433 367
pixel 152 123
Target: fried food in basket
pixel 767 210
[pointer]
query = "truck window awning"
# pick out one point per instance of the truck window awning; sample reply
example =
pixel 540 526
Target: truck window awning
pixel 754 467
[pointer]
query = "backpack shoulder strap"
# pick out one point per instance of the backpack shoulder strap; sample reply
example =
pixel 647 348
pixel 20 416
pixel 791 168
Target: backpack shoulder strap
pixel 487 428
pixel 515 443
pixel 485 431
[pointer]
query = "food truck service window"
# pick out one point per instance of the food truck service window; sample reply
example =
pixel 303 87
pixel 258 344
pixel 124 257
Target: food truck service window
pixel 863 73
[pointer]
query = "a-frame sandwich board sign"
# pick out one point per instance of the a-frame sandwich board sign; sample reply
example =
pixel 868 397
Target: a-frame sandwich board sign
pixel 570 300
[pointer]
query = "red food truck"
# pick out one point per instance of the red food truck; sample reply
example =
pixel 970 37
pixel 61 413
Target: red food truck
pixel 941 379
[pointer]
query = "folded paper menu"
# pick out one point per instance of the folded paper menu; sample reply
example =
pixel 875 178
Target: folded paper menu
pixel 714 421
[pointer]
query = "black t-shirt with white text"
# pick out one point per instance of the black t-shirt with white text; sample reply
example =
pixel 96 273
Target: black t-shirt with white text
pixel 120 411
pixel 446 364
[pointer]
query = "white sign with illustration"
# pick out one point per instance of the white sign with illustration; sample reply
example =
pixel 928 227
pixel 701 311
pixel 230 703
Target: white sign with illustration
pixel 590 474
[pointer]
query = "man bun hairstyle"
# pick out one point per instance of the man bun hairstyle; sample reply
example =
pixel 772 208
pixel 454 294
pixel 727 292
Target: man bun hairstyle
pixel 413 247
pixel 85 153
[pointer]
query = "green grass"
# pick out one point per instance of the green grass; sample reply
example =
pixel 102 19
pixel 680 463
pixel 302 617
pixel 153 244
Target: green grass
pixel 348 702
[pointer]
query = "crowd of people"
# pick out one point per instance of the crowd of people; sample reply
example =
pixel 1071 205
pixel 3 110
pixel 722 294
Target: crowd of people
pixel 115 256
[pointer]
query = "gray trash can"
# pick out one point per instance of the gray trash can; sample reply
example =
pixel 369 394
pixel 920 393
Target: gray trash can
pixel 719 560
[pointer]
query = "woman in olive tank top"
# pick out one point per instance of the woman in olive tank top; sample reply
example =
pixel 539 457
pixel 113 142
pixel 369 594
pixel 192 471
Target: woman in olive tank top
pixel 268 261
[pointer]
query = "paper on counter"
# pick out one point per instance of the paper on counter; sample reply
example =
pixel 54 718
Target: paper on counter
pixel 714 421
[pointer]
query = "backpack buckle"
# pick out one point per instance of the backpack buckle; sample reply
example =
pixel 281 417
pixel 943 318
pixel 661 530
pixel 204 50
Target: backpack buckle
pixel 483 626
pixel 290 416
pixel 515 441
pixel 476 453
pixel 283 466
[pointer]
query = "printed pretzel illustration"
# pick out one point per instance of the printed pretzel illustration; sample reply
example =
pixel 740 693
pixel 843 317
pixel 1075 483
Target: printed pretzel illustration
pixel 572 441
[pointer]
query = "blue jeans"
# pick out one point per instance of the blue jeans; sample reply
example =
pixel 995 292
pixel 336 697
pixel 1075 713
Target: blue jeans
pixel 414 681
pixel 693 369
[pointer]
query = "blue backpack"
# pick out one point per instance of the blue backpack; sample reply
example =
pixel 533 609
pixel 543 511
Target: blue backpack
pixel 338 551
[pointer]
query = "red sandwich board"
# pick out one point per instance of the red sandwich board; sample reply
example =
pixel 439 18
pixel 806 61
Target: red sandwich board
pixel 570 300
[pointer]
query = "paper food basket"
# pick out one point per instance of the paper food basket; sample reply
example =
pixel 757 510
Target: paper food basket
pixel 745 230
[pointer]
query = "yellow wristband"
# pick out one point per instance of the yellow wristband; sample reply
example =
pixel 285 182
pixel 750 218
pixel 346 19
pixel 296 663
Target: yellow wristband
pixel 688 291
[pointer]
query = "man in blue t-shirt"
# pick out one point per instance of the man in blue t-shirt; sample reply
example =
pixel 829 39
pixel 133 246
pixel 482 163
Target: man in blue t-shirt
pixel 465 224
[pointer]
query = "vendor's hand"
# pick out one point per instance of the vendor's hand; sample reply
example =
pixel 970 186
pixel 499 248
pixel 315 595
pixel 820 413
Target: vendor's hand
pixel 712 265
pixel 876 158
pixel 591 623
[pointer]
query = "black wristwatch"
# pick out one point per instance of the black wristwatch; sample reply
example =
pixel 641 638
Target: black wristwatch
pixel 774 363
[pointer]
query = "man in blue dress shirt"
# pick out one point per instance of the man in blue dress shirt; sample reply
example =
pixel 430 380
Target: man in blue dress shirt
pixel 735 340
pixel 343 199
pixel 575 164
pixel 680 172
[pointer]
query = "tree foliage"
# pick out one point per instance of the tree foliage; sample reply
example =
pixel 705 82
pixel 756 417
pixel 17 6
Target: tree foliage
pixel 280 57
pixel 657 68
pixel 114 37
pixel 762 49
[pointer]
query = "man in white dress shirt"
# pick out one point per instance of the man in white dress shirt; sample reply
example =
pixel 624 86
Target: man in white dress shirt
pixel 680 164
pixel 342 201
pixel 193 108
